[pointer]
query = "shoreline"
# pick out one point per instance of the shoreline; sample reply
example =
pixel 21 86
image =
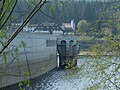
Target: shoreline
pixel 87 53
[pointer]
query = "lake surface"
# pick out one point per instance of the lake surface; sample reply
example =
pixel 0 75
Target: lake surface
pixel 57 79
pixel 60 79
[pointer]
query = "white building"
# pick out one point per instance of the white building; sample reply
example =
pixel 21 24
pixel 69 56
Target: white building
pixel 30 27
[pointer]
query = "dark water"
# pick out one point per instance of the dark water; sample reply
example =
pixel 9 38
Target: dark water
pixel 60 79
pixel 57 79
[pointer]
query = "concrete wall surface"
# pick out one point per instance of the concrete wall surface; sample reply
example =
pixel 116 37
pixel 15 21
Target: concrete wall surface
pixel 41 58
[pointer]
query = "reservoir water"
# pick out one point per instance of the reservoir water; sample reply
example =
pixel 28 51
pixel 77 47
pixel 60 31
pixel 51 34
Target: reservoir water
pixel 58 79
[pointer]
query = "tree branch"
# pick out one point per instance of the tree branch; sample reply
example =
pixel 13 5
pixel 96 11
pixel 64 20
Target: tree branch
pixel 34 11
pixel 2 7
pixel 9 14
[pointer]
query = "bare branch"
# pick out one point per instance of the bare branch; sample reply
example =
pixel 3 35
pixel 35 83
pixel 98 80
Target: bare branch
pixel 48 15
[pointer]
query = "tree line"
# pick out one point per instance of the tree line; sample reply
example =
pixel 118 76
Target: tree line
pixel 63 11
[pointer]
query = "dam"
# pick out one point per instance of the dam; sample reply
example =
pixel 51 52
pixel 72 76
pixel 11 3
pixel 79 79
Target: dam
pixel 37 57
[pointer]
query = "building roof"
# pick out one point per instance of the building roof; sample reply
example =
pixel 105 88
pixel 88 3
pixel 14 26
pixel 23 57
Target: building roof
pixel 33 25
pixel 48 27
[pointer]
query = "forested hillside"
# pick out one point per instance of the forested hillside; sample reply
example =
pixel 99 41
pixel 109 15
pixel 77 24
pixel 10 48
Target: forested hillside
pixel 64 11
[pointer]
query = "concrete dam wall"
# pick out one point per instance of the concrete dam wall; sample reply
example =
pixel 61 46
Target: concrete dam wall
pixel 40 51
